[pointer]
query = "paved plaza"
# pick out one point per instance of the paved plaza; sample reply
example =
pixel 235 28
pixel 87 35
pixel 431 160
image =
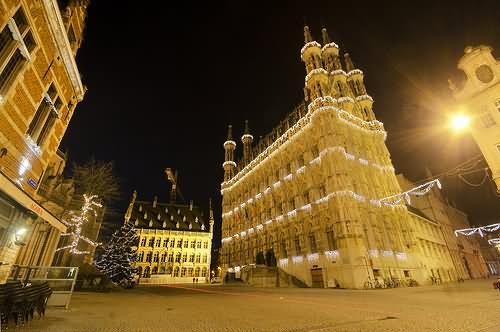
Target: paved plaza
pixel 469 307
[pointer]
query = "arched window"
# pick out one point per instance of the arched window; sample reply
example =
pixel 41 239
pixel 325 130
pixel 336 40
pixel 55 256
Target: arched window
pixel 148 257
pixel 191 258
pixel 204 272
pixel 155 270
pixel 283 246
pixel 163 257
pixel 176 271
pixel 189 272
pixel 296 241
pixel 184 258
pixel 146 272
pixel 178 257
pixel 155 257
pixel 312 242
pixel 198 257
pixel 332 243
pixel 183 272
pixel 205 258
pixel 171 257
pixel 197 272
pixel 140 257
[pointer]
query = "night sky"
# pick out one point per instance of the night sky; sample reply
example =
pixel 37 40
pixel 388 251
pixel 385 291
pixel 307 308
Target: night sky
pixel 164 83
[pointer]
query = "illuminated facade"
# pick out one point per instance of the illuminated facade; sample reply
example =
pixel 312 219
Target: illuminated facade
pixel 174 242
pixel 40 87
pixel 480 94
pixel 309 193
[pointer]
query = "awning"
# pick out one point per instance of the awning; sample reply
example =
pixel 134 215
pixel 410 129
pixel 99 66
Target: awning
pixel 23 199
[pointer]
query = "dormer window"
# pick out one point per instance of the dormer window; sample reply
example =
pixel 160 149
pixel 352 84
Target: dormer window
pixel 146 215
pixel 136 222
pixel 196 220
pixel 177 225
pixel 140 208
pixel 202 227
pixel 172 218
pixel 184 218
pixel 151 223
pixel 164 225
pixel 158 216
pixel 190 226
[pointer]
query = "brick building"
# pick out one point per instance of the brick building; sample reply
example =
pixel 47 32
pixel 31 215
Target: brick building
pixel 40 86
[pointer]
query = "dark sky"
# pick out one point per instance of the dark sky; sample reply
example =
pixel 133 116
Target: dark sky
pixel 163 83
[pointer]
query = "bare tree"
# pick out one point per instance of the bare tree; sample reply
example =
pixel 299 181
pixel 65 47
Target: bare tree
pixel 97 177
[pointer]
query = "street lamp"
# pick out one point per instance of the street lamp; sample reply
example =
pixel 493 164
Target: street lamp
pixel 460 121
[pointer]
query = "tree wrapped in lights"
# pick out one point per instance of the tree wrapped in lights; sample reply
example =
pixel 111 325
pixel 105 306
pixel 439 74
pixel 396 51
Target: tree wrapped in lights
pixel 76 221
pixel 119 256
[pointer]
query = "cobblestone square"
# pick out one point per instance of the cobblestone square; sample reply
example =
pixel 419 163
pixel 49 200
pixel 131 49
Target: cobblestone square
pixel 469 307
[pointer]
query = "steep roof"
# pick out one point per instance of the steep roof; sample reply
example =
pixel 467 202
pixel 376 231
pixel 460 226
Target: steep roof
pixel 166 216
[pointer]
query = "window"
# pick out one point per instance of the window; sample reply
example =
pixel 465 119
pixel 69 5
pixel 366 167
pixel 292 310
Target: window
pixel 151 241
pixel 172 243
pixel 143 242
pixel 45 116
pixel 196 272
pixel 199 244
pixel 205 258
pixel 487 119
pixel 179 244
pixel 190 272
pixel 171 257
pixel 186 244
pixel 198 258
pixel 148 257
pixel 140 257
pixel 163 256
pixel 193 244
pixel 158 242
pixel 297 245
pixel 332 243
pixel 312 242
pixel 155 258
pixel 183 272
pixel 205 245
pixel 176 271
pixel 191 258
pixel 165 243
pixel 15 48
pixel 184 258
pixel 178 257
pixel 204 272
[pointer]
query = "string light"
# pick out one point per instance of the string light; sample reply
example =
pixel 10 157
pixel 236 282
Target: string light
pixel 480 230
pixel 77 220
pixel 494 241
pixel 332 254
pixel 313 258
pixel 417 191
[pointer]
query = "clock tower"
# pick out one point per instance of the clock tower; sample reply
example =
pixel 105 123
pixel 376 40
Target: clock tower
pixel 480 94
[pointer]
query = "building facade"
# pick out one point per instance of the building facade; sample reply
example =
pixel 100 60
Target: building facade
pixel 309 193
pixel 307 190
pixel 465 252
pixel 480 94
pixel 174 241
pixel 40 86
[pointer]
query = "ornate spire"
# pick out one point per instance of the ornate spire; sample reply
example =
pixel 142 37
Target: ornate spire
pixel 348 62
pixel 211 211
pixel 326 37
pixel 307 35
pixel 128 214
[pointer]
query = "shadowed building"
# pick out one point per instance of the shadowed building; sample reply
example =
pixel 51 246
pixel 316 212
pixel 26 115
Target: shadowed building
pixel 40 86
pixel 174 241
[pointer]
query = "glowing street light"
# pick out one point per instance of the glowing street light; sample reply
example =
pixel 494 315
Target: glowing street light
pixel 460 121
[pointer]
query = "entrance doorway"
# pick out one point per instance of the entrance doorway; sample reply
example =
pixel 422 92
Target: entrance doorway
pixel 317 278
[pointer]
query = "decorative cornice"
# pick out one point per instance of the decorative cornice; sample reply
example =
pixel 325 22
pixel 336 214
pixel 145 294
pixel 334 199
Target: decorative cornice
pixel 309 45
pixel 329 45
pixel 229 143
pixel 60 36
pixel 229 162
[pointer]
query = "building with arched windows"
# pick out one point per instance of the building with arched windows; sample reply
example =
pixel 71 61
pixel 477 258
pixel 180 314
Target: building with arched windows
pixel 174 241
pixel 307 196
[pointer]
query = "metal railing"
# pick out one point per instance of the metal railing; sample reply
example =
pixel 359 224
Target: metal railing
pixel 60 279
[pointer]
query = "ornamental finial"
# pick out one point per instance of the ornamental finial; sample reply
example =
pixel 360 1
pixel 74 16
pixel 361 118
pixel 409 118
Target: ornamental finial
pixel 230 133
pixel 307 35
pixel 247 129
pixel 348 62
pixel 326 37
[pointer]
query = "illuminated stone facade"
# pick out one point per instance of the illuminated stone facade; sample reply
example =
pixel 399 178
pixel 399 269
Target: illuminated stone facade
pixel 174 242
pixel 480 96
pixel 40 87
pixel 309 192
